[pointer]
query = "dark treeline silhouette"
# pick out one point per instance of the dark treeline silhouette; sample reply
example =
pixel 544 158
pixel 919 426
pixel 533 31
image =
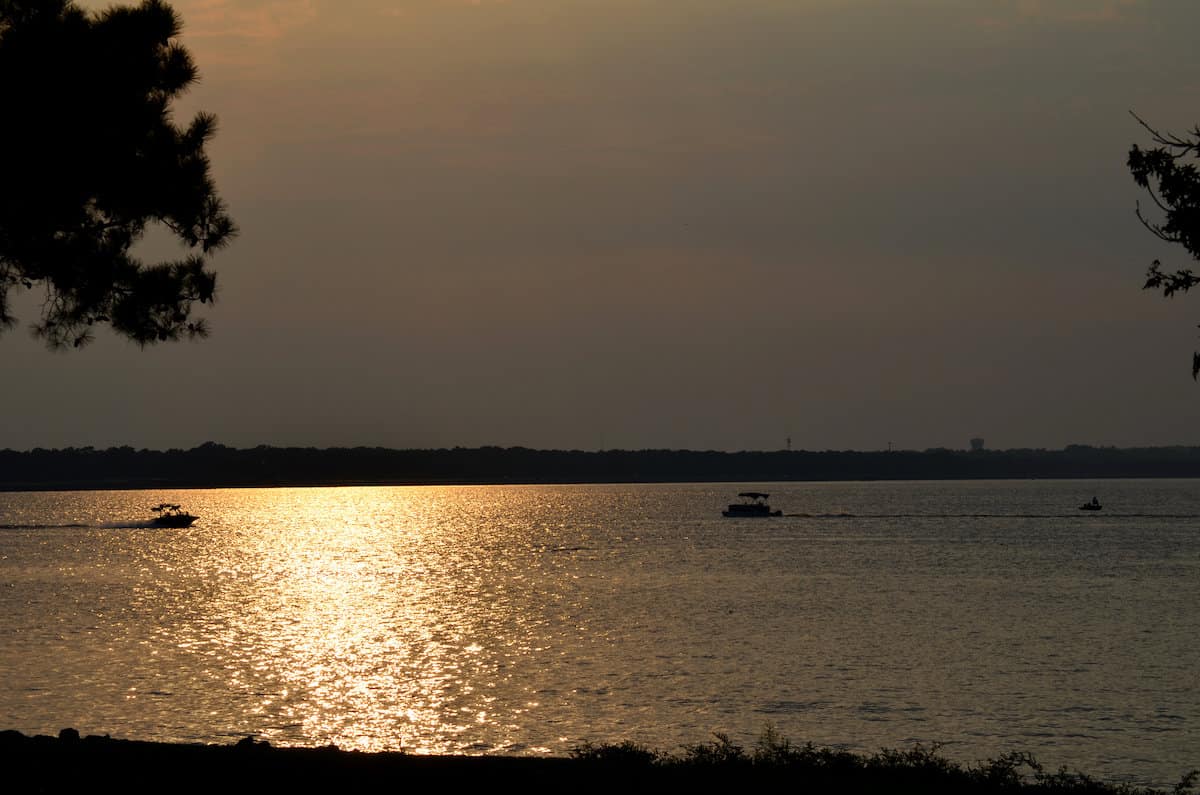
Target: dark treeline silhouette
pixel 215 465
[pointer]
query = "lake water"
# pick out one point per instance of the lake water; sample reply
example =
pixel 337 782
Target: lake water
pixel 986 616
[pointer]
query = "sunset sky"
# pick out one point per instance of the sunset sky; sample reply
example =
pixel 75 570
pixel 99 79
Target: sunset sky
pixel 665 223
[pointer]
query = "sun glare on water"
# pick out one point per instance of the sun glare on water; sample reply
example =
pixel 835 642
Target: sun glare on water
pixel 366 614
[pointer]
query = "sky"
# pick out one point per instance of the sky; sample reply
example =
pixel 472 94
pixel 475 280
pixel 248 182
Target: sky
pixel 700 224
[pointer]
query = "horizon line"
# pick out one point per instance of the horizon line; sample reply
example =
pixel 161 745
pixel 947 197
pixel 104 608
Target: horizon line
pixel 210 445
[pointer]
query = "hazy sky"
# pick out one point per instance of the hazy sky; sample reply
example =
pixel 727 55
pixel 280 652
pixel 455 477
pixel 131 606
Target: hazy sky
pixel 664 223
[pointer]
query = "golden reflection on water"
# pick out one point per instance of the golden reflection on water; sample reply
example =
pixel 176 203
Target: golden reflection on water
pixel 375 617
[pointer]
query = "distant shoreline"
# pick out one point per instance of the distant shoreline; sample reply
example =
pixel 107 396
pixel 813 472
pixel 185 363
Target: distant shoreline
pixel 216 466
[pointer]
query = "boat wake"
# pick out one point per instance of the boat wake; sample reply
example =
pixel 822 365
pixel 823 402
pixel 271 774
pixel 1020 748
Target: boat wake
pixel 127 524
pixel 825 515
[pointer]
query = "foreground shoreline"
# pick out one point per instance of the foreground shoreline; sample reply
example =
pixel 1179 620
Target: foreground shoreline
pixel 70 763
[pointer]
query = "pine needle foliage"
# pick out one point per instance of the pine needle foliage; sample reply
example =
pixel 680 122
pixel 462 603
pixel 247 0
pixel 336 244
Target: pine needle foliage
pixel 91 157
pixel 1168 174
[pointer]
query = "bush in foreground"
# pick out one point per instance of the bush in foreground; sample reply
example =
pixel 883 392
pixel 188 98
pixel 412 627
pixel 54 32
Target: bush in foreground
pixel 776 762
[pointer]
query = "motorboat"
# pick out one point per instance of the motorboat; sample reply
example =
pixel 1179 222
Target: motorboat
pixel 168 514
pixel 1094 505
pixel 754 503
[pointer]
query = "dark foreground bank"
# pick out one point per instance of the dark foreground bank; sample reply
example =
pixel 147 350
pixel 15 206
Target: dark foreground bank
pixel 69 763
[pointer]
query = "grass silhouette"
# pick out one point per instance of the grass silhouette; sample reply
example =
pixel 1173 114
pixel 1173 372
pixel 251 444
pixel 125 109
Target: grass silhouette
pixel 776 763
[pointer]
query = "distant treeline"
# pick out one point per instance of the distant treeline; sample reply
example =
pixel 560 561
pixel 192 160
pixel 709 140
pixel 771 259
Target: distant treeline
pixel 215 465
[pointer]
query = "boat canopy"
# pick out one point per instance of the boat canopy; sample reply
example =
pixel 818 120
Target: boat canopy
pixel 753 495
pixel 167 506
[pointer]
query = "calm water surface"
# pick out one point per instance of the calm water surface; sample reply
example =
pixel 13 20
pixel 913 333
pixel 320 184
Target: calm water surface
pixel 987 616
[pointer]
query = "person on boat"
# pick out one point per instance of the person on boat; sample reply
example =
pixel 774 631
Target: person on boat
pixel 1095 502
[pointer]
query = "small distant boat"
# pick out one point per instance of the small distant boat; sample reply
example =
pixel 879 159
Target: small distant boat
pixel 1094 505
pixel 754 503
pixel 168 514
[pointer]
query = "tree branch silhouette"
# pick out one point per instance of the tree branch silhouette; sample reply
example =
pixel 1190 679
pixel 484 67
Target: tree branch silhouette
pixel 1173 184
pixel 90 158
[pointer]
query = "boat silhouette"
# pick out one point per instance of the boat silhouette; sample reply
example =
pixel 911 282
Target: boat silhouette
pixel 753 504
pixel 168 514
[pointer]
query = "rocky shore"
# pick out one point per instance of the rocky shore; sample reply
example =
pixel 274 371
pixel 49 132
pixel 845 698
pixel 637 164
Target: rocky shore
pixel 73 764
